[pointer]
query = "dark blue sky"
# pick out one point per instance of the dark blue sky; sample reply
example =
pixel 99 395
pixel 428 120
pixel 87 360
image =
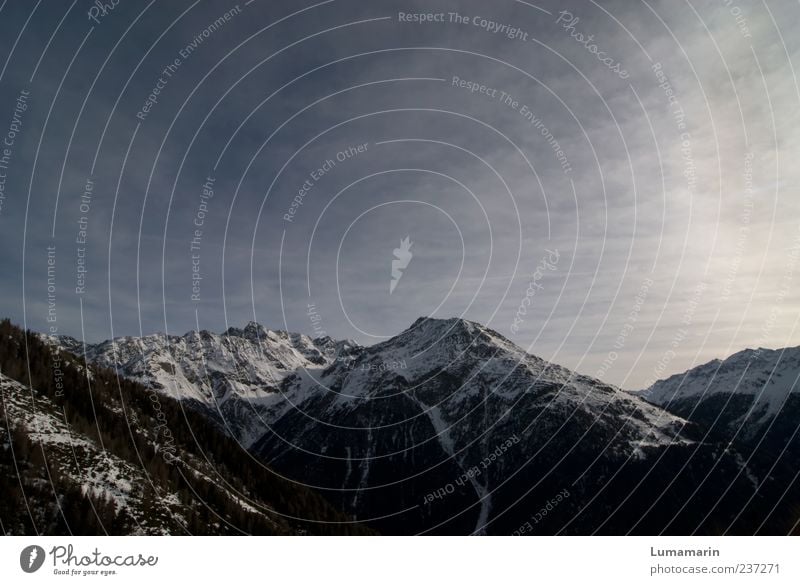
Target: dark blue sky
pixel 624 204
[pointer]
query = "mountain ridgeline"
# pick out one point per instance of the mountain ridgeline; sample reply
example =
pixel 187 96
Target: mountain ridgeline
pixel 446 428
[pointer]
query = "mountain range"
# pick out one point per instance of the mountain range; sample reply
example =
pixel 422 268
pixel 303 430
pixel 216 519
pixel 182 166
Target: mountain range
pixel 450 428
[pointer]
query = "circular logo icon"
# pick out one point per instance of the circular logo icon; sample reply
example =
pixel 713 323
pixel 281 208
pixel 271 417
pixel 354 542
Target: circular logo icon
pixel 31 558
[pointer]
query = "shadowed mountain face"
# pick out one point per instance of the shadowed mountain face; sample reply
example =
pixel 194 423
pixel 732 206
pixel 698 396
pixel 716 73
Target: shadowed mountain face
pixel 450 428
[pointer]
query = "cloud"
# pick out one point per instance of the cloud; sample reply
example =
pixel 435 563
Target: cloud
pixel 644 193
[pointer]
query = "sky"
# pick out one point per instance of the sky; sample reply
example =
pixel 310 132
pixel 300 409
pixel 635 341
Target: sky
pixel 611 185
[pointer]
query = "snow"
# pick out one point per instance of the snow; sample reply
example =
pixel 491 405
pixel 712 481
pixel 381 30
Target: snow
pixel 205 366
pixel 252 377
pixel 97 472
pixel 768 376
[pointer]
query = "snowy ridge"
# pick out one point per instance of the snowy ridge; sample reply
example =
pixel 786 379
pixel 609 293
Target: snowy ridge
pixel 209 367
pixel 490 364
pixel 765 376
pixel 236 374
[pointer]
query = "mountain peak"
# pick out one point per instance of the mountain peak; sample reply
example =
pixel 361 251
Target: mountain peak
pixel 251 331
pixel 455 329
pixel 253 327
pixel 444 325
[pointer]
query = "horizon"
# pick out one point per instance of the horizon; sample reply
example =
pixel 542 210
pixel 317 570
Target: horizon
pixel 410 328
